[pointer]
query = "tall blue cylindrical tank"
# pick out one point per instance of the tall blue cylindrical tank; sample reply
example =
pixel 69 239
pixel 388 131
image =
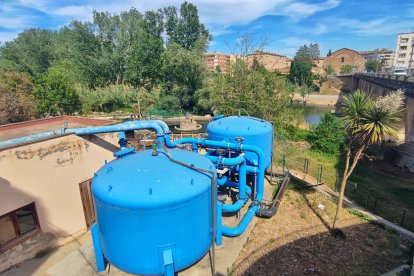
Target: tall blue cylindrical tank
pixel 147 204
pixel 254 131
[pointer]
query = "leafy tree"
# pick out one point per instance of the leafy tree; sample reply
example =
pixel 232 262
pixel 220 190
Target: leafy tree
pixel 182 72
pixel 374 66
pixel 308 53
pixel 301 72
pixel 17 102
pixel 329 53
pixel 367 122
pixel 30 52
pixel 144 62
pixel 55 94
pixel 329 70
pixel 348 68
pixel 328 135
pixel 185 29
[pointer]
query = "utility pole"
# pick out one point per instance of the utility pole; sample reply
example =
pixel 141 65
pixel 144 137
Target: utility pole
pixel 411 57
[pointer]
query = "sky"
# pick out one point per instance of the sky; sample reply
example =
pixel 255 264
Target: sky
pixel 285 24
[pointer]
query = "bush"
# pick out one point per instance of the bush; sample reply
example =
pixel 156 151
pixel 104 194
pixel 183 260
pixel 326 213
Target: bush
pixel 56 94
pixel 17 102
pixel 328 135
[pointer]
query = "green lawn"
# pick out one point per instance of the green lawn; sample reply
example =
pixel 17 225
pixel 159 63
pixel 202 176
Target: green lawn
pixel 376 181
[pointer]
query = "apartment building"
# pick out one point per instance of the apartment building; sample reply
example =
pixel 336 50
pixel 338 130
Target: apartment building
pixel 271 61
pixel 217 62
pixel 382 55
pixel 404 51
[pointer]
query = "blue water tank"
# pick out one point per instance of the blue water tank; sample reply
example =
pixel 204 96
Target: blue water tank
pixel 147 204
pixel 254 131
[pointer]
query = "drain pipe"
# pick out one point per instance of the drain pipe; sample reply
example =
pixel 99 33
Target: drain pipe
pixel 272 210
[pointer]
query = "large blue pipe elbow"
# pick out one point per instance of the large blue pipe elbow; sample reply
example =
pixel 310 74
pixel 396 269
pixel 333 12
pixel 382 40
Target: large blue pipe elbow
pixel 237 231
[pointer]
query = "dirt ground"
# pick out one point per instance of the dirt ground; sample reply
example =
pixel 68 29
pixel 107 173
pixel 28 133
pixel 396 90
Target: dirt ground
pixel 298 241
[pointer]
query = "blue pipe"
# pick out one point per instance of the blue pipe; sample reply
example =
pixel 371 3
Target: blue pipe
pixel 237 231
pixel 122 140
pixel 132 125
pixel 233 146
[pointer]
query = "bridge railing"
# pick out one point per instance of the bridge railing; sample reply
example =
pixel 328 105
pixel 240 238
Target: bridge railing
pixel 388 76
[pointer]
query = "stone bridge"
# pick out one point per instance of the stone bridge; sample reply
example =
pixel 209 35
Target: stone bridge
pixel 380 85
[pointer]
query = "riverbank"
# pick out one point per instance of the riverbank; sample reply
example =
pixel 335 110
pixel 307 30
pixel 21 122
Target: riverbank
pixel 317 99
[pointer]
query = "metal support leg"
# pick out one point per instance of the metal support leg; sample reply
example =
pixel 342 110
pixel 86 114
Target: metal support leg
pixel 219 225
pixel 99 257
pixel 168 262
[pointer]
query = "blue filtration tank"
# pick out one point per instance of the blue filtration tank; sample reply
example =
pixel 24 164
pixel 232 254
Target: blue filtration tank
pixel 254 131
pixel 147 205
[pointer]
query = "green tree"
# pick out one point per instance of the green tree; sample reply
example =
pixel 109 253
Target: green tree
pixel 328 135
pixel 144 62
pixel 374 66
pixel 329 70
pixel 182 72
pixel 367 122
pixel 348 68
pixel 185 29
pixel 329 53
pixel 308 53
pixel 17 102
pixel 55 94
pixel 301 72
pixel 30 52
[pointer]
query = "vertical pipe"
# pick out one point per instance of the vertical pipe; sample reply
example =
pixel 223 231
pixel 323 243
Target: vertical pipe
pixel 219 224
pixel 99 257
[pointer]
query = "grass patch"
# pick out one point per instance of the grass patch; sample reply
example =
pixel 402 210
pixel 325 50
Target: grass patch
pixel 381 188
pixel 359 215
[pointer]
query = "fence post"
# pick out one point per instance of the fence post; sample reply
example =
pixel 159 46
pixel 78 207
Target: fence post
pixel 319 178
pixel 403 218
pixel 284 163
pixel 306 165
pixel 375 206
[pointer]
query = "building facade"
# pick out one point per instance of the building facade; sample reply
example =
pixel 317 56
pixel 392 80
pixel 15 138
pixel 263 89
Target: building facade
pixel 217 62
pixel 382 55
pixel 345 58
pixel 271 61
pixel 44 186
pixel 403 58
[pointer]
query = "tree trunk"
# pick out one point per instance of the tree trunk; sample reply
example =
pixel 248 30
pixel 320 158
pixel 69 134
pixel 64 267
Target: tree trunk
pixel 347 173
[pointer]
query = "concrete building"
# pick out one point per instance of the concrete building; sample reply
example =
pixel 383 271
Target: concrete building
pixel 403 58
pixel 382 55
pixel 344 57
pixel 45 185
pixel 217 61
pixel 271 61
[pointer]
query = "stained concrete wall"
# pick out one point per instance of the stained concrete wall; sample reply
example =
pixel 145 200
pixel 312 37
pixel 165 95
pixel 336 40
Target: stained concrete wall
pixel 48 173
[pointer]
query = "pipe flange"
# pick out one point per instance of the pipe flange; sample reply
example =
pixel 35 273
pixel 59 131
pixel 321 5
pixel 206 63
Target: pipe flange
pixel 123 152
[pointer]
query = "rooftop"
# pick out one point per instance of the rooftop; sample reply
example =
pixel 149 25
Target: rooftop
pixel 22 129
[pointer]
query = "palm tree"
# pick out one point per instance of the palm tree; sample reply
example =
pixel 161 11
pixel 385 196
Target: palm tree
pixel 367 122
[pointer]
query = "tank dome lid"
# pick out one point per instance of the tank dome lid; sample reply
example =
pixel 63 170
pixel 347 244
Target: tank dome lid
pixel 140 180
pixel 240 125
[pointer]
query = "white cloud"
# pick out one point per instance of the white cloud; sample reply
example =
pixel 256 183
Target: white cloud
pixel 7 36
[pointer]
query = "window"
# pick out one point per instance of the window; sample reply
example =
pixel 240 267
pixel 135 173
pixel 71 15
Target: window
pixel 342 59
pixel 17 225
pixel 404 39
pixel 403 47
pixel 401 55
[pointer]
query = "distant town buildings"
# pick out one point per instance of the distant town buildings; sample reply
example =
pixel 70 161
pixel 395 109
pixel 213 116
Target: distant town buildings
pixel 404 51
pixel 344 57
pixel 270 61
pixel 217 62
pixel 318 66
pixel 382 55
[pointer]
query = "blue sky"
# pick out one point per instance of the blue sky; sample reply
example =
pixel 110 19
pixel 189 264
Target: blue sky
pixel 287 24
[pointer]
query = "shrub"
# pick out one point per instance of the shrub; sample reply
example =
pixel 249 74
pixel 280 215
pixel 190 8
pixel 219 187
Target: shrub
pixel 328 135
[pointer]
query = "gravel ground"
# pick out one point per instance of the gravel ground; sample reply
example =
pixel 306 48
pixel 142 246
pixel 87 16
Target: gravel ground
pixel 298 241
